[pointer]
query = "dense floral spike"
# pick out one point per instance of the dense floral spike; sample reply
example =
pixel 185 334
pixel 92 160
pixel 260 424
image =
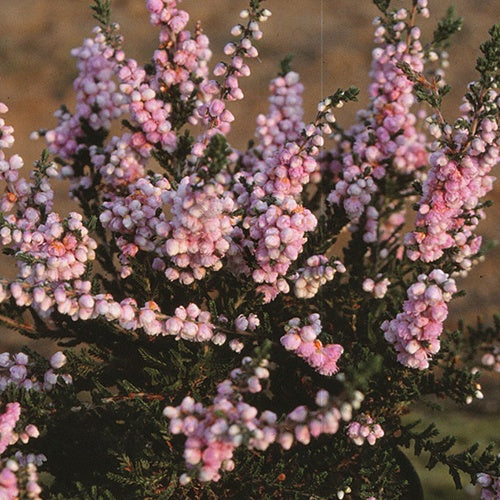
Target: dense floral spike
pixel 8 421
pixel 415 332
pixel 98 99
pixel 282 124
pixel 275 227
pixel 199 229
pixel 450 208
pixel 384 140
pixel 213 113
pixel 180 70
pixel 137 219
pixel 119 164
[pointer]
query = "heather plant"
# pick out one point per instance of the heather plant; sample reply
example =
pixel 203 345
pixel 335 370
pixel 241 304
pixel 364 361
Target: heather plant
pixel 218 337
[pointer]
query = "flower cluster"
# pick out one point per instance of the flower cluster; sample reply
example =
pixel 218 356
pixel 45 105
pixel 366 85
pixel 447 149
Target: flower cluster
pixel 55 253
pixel 277 237
pixel 118 164
pixel 214 432
pixel 214 113
pixel 490 486
pixel 179 62
pixel 15 369
pixel 200 226
pixel 316 273
pixel 282 124
pixel 281 163
pixel 364 429
pixel 8 421
pixel 16 477
pixel 19 192
pixel 377 288
pixel 303 341
pixel 450 208
pixel 415 332
pixel 19 472
pixel 137 219
pixel 98 99
pixel 386 131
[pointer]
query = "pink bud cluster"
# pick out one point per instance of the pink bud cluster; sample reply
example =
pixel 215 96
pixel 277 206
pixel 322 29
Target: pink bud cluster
pixel 150 113
pixel 188 323
pixel 282 124
pixel 385 133
pixel 19 191
pixel 315 274
pixel 195 237
pixel 8 482
pixel 18 473
pixel 214 432
pixel 137 219
pixel 8 421
pixel 449 210
pixel 490 486
pixel 9 167
pixel 98 100
pixel 77 301
pixel 37 193
pixel 274 229
pixel 377 288
pixel 59 248
pixel 15 369
pixel 52 254
pixel 179 62
pixel 415 332
pixel 214 113
pixel 364 429
pixel 118 163
pixel 199 229
pixel 277 235
pixel 6 131
pixel 303 341
pixel 491 359
pixel 19 480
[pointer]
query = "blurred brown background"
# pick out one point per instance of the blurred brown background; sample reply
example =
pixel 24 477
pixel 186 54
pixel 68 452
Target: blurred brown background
pixel 36 74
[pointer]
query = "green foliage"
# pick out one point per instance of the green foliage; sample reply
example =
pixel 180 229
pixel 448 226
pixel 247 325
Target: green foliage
pixel 382 5
pixel 447 26
pixel 286 65
pixel 487 65
pixel 342 96
pixel 102 12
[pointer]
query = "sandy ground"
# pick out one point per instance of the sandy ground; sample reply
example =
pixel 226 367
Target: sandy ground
pixel 331 39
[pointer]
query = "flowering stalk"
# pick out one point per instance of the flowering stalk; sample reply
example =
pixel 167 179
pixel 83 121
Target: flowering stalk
pixel 385 140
